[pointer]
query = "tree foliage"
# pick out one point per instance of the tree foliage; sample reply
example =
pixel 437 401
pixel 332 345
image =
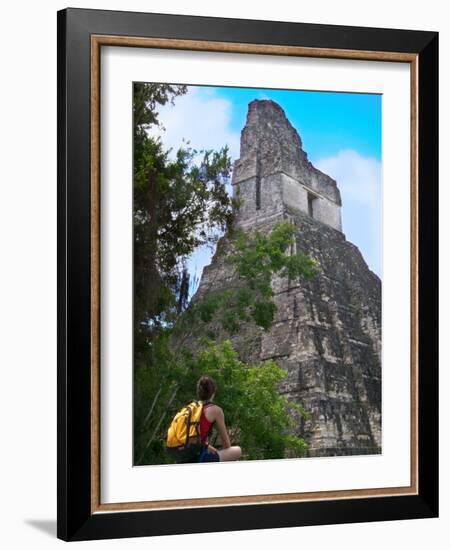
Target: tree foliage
pixel 180 202
pixel 255 259
pixel 258 418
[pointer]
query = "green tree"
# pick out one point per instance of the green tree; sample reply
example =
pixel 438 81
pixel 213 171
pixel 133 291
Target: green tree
pixel 255 258
pixel 179 202
pixel 258 418
pixel 183 354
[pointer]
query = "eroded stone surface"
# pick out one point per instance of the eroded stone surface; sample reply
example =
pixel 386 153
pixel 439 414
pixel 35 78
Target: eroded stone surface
pixel 273 170
pixel 327 331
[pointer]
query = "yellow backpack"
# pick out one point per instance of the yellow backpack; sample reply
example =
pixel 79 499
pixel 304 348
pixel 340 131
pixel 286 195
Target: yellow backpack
pixel 185 426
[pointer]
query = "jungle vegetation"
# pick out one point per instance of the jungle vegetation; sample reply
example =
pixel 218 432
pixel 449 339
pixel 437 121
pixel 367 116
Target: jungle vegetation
pixel 180 202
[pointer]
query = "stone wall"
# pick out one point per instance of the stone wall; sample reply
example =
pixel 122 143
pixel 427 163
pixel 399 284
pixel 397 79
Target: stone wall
pixel 327 331
pixel 273 169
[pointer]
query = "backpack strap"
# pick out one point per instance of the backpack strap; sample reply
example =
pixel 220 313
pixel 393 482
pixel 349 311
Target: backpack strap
pixel 197 426
pixel 189 421
pixel 188 425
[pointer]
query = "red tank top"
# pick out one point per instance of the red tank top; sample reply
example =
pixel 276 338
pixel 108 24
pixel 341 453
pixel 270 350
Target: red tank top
pixel 205 425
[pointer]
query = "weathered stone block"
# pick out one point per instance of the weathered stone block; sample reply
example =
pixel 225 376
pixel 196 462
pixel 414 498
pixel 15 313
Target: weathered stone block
pixel 327 331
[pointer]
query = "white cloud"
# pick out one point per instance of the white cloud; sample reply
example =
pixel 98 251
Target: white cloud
pixel 204 119
pixel 359 180
pixel 200 117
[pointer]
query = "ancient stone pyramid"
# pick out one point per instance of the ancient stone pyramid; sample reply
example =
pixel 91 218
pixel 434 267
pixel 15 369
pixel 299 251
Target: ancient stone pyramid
pixel 327 331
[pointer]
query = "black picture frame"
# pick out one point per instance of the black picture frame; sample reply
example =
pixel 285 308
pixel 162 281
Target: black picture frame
pixel 76 519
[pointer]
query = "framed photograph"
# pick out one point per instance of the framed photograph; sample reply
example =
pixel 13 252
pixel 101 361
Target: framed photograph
pixel 247 271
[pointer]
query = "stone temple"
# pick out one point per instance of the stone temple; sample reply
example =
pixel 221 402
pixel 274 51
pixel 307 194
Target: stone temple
pixel 327 331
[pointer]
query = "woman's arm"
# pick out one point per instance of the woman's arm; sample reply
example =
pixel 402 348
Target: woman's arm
pixel 221 428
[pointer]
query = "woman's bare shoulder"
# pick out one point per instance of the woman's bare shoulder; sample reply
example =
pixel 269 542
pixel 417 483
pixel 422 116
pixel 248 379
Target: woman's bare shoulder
pixel 213 412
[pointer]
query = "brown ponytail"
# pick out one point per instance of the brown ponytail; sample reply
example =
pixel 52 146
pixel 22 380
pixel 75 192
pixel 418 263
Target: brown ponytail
pixel 206 387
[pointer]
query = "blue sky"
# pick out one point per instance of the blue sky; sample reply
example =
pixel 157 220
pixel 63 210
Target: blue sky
pixel 326 121
pixel 340 132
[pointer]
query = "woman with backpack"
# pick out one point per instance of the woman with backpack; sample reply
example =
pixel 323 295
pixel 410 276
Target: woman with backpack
pixel 211 414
